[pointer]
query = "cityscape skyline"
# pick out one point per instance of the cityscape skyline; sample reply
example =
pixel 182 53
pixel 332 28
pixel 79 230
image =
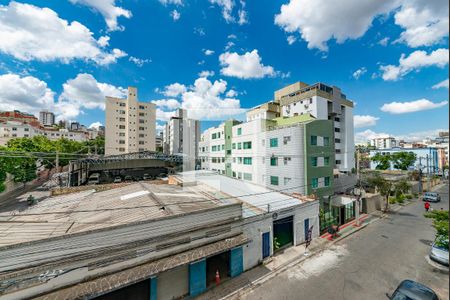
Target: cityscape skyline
pixel 392 76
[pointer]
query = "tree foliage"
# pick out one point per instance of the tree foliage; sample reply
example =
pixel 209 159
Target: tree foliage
pixel 403 160
pixel 440 223
pixel 383 161
pixel 22 156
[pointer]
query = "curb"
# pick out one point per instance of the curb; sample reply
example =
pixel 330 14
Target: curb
pixel 281 268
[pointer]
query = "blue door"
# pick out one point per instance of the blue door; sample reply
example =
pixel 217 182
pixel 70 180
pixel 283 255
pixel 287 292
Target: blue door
pixel 153 288
pixel 236 262
pixel 306 229
pixel 197 278
pixel 266 244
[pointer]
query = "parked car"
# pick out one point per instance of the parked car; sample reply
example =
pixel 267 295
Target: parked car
pixel 94 178
pixel 147 177
pixel 128 178
pixel 411 290
pixel 431 197
pixel 117 179
pixel 439 251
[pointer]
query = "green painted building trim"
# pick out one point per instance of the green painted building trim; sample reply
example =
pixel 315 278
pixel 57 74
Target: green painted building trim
pixel 228 131
pixel 284 121
pixel 323 128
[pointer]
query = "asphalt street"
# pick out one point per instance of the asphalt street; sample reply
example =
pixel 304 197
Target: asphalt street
pixel 367 264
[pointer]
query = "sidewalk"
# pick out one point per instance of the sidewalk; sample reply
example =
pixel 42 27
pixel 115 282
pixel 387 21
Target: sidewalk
pixel 281 261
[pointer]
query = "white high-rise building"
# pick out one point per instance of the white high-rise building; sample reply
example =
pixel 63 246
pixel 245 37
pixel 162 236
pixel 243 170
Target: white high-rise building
pixel 46 118
pixel 181 136
pixel 384 143
pixel 324 103
pixel 130 125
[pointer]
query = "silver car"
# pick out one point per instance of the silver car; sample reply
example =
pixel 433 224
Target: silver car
pixel 431 197
pixel 439 251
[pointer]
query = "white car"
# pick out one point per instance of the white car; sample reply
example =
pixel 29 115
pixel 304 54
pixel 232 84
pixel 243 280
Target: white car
pixel 439 251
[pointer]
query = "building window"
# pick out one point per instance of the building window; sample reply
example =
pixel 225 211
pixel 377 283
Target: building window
pixel 239 146
pixel 247 145
pixel 122 119
pixel 214 136
pixel 326 141
pixel 313 140
pixel 337 140
pixel 286 160
pixel 141 121
pixel 121 149
pixel 239 131
pixel 327 181
pixel 141 114
pixel 141 107
pixel 287 180
pixel 248 176
pixel 26 129
pixel 315 183
pixel 337 119
pixel 338 162
pixel 286 139
pixel 141 135
pixel 314 161
pixel 122 142
pixel 326 161
pixel 14 129
pixel 240 160
pixel 214 148
pixel 122 104
pixel 274 180
pixel 337 129
pixel 338 151
pixel 122 112
pixel 121 126
pixel 141 142
pixel 233 146
pixel 273 142
pixel 274 161
pixel 247 160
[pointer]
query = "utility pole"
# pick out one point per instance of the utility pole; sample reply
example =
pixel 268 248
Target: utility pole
pixel 428 175
pixel 420 175
pixel 57 161
pixel 357 190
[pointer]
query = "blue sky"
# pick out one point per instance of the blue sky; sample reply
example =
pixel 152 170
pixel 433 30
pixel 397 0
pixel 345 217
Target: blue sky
pixel 67 55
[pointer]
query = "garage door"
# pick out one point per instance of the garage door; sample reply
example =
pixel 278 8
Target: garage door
pixel 173 283
pixel 283 233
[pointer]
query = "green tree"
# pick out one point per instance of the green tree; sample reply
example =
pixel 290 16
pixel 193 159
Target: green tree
pixel 383 186
pixel 403 160
pixel 383 161
pixel 401 187
pixel 440 223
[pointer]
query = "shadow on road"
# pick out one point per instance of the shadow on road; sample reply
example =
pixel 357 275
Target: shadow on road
pixel 426 242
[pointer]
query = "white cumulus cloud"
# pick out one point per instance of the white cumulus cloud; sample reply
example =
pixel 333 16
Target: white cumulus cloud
pixel 174 2
pixel 175 15
pixel 27 94
pixel 367 135
pixel 167 103
pixel 364 121
pixel 206 74
pixel 245 66
pixel 358 73
pixel 424 22
pixel 318 21
pixel 28 32
pixel 174 89
pixel 85 92
pixel 440 85
pixel 208 52
pixel 139 61
pixel 412 106
pixel 95 125
pixel 227 7
pixel 417 60
pixel 108 9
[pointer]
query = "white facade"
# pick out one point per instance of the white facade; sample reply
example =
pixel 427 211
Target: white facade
pixel 130 125
pixel 12 129
pixel 325 103
pixel 47 118
pixel 384 143
pixel 181 136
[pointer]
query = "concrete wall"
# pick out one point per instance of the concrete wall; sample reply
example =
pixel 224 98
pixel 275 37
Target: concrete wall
pixel 173 284
pixel 254 227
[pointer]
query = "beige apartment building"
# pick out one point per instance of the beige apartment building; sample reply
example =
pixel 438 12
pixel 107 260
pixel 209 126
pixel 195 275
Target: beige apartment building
pixel 129 125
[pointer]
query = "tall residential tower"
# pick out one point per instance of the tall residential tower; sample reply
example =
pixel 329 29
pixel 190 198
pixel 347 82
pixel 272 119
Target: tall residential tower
pixel 130 124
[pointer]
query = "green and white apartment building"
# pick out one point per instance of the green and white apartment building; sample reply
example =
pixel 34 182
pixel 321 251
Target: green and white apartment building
pixel 301 142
